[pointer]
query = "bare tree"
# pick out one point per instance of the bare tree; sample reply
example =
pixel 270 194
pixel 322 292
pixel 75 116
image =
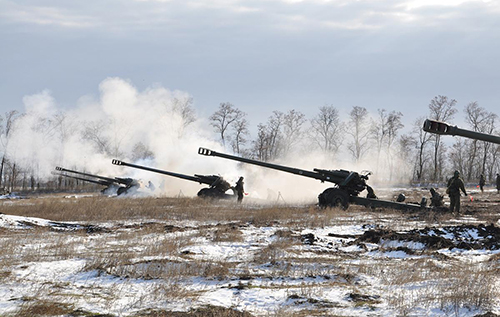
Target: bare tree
pixel 422 140
pixel 482 121
pixel 274 135
pixel 223 118
pixel 240 132
pixel 393 125
pixel 327 130
pixel 405 152
pixel 260 144
pixel 6 130
pixel 184 107
pixel 441 109
pixel 494 166
pixel 269 145
pixel 141 152
pixel 489 128
pixel 459 155
pixel 292 129
pixel 94 132
pixel 379 133
pixel 359 131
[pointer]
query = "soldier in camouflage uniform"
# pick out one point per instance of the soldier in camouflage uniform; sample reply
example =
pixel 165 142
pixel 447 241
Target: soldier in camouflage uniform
pixel 436 199
pixel 239 189
pixel 455 184
pixel 482 181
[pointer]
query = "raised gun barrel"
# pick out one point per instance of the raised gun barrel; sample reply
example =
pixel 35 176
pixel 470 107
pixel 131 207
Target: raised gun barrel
pixel 218 186
pixel 108 179
pixel 116 182
pixel 351 182
pixel 315 175
pixel 443 128
pixel 197 178
pixel 99 182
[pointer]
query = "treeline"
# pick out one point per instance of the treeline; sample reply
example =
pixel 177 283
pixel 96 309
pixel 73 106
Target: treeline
pixel 373 139
pixel 377 140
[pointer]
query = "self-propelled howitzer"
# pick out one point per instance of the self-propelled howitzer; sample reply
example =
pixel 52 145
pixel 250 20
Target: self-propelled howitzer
pixel 438 127
pixel 217 185
pixel 348 184
pixel 117 184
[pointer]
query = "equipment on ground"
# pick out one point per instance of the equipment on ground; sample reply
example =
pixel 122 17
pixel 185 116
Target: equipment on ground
pixel 217 185
pixel 348 184
pixel 116 185
pixel 443 128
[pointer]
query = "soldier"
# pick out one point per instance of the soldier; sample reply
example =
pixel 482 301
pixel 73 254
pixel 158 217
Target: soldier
pixel 239 189
pixel 482 181
pixel 371 193
pixel 436 199
pixel 498 183
pixel 455 184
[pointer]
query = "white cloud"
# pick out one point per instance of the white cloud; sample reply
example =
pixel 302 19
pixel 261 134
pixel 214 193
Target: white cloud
pixel 201 16
pixel 415 4
pixel 45 15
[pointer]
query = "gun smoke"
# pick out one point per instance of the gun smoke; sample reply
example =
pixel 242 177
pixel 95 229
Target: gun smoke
pixel 155 127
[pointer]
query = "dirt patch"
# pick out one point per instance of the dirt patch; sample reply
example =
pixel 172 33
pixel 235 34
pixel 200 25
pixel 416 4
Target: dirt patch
pixel 488 314
pixel 308 238
pixel 363 299
pixel 467 237
pixel 172 228
pixel 199 312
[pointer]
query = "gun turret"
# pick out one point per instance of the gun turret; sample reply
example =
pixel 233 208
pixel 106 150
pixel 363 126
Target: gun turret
pixel 443 128
pixel 116 184
pixel 217 185
pixel 348 184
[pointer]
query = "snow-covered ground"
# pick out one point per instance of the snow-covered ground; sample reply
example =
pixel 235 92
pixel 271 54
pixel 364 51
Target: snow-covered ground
pixel 361 263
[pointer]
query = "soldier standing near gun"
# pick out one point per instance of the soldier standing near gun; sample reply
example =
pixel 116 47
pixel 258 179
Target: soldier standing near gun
pixel 482 181
pixel 238 188
pixel 455 184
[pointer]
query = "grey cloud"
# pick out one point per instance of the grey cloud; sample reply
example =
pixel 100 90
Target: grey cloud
pixel 253 53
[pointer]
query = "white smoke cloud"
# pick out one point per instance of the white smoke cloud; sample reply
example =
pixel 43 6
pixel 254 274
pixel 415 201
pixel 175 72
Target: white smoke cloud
pixel 123 119
pixel 87 137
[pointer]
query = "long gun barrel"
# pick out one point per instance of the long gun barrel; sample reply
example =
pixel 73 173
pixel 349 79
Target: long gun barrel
pixel 340 177
pixel 443 128
pixel 107 179
pixel 197 178
pixel 297 171
pixel 100 182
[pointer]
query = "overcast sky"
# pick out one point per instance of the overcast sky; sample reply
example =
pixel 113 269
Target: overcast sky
pixel 260 55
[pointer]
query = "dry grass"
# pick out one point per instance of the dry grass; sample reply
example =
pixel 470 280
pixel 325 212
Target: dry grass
pixel 34 307
pixel 207 311
pixel 151 239
pixel 453 287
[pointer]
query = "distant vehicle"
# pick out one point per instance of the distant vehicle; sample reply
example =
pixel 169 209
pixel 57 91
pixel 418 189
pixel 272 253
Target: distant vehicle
pixel 113 185
pixel 217 185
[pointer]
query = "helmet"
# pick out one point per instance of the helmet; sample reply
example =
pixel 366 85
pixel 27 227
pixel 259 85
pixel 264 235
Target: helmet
pixel 457 173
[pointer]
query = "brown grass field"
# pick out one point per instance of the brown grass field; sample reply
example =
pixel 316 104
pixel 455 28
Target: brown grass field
pixel 163 242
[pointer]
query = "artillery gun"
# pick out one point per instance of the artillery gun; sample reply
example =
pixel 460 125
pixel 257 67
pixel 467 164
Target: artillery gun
pixel 443 128
pixel 217 185
pixel 117 184
pixel 348 184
